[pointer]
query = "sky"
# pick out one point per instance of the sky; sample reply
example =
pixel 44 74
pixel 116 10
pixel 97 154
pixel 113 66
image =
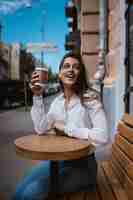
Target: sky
pixel 23 21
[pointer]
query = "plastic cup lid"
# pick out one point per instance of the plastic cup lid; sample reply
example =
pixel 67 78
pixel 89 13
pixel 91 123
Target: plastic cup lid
pixel 42 69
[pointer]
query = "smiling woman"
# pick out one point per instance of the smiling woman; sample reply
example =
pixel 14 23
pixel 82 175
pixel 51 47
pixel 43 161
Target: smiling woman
pixel 76 117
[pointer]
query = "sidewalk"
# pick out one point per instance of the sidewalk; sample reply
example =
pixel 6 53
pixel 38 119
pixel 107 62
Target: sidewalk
pixel 14 123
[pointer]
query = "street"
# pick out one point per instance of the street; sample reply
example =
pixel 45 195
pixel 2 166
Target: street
pixel 13 124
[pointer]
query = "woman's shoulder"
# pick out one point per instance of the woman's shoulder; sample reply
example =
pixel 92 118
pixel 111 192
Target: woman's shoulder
pixel 92 98
pixel 91 95
pixel 59 97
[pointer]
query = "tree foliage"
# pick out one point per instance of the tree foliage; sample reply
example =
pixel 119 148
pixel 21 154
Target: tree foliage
pixel 27 62
pixel 52 77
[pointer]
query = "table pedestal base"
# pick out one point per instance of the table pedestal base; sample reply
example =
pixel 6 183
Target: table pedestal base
pixel 54 179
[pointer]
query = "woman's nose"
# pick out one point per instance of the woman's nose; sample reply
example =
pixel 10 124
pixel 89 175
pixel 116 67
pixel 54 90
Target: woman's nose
pixel 71 68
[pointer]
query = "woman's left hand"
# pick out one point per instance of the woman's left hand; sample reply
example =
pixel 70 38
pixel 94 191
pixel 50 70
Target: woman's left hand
pixel 59 125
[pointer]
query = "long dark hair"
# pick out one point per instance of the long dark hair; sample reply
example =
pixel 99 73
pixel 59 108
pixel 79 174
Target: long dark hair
pixel 81 84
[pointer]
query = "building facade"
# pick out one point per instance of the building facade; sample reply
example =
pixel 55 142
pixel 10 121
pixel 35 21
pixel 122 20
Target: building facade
pixel 15 62
pixel 114 55
pixel 4 61
pixel 9 61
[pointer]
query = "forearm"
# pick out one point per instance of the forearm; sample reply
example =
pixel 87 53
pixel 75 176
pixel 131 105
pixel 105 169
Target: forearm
pixel 40 118
pixel 96 136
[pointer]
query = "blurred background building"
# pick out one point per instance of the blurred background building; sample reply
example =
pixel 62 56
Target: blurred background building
pixel 13 61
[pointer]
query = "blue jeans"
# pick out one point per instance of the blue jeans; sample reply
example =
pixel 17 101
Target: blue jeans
pixel 74 175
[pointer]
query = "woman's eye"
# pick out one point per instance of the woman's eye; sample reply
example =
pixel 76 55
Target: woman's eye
pixel 66 66
pixel 74 66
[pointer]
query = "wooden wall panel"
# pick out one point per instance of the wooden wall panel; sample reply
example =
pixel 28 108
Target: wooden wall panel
pixel 89 34
pixel 112 4
pixel 90 63
pixel 116 41
pixel 90 23
pixel 90 43
pixel 115 36
pixel 90 5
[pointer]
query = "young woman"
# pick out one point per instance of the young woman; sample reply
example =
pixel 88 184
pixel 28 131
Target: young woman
pixel 77 117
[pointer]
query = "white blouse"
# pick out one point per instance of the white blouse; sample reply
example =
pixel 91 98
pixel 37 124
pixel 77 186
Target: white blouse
pixel 86 121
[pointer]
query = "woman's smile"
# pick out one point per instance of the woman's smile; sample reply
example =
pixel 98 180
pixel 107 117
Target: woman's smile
pixel 69 75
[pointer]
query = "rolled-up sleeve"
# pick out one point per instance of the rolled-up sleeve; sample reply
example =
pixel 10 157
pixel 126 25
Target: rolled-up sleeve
pixel 42 121
pixel 98 133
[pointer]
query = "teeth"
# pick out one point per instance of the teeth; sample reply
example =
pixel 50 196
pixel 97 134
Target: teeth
pixel 69 76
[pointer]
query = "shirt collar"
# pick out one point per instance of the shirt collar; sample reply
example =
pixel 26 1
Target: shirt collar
pixel 73 101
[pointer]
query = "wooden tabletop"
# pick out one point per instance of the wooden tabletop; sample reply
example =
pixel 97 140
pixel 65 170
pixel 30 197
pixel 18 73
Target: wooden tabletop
pixel 51 147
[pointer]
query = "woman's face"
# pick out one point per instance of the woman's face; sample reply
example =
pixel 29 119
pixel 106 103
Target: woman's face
pixel 69 72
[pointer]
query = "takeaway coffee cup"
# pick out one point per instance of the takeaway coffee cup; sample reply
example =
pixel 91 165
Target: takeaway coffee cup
pixel 43 76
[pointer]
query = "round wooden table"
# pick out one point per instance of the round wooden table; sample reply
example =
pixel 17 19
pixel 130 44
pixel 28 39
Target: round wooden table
pixel 52 148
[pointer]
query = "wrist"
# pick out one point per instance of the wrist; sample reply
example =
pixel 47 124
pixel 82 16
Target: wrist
pixel 37 97
pixel 68 131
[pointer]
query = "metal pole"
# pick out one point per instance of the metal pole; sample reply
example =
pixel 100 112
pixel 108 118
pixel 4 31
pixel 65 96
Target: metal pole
pixel 25 92
pixel 43 39
pixel 0 32
pixel 54 179
pixel 42 35
pixel 42 57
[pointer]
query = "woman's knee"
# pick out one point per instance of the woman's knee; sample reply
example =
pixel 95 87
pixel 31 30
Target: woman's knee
pixel 31 183
pixel 35 190
pixel 18 195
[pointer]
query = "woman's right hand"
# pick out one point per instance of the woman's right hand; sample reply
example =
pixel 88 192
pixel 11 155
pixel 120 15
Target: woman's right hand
pixel 36 89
